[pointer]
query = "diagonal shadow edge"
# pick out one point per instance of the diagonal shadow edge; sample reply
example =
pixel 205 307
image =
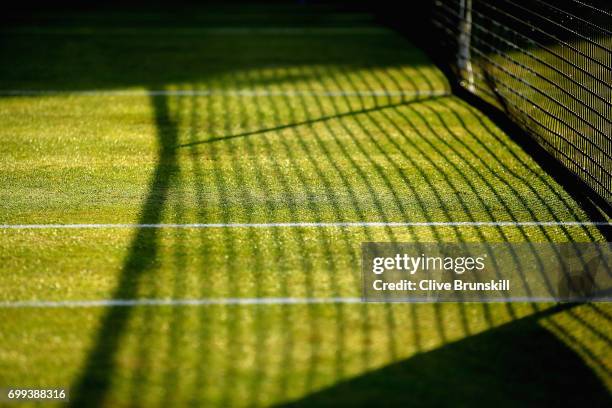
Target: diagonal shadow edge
pixel 96 375
pixel 313 121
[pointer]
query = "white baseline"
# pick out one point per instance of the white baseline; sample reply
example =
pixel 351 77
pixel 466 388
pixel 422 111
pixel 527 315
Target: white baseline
pixel 176 302
pixel 318 225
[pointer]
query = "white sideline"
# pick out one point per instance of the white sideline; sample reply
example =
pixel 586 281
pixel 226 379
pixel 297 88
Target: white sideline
pixel 318 225
pixel 221 92
pixel 175 302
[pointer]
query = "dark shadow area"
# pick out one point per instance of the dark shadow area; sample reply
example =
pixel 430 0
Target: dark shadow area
pixel 99 47
pixel 503 367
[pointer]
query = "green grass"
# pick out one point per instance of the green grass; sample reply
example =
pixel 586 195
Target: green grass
pixel 264 157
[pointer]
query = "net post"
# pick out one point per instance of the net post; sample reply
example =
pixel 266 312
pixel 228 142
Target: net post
pixel 464 58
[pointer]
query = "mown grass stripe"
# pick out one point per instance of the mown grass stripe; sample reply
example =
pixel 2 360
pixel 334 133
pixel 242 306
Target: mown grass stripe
pixel 319 224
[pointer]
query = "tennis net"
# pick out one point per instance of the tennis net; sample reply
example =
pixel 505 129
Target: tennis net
pixel 548 65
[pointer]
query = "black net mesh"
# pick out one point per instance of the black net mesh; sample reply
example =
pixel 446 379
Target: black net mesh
pixel 548 65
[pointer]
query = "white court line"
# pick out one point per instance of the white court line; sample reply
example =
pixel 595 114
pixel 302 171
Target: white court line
pixel 220 92
pixel 50 304
pixel 176 302
pixel 316 225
